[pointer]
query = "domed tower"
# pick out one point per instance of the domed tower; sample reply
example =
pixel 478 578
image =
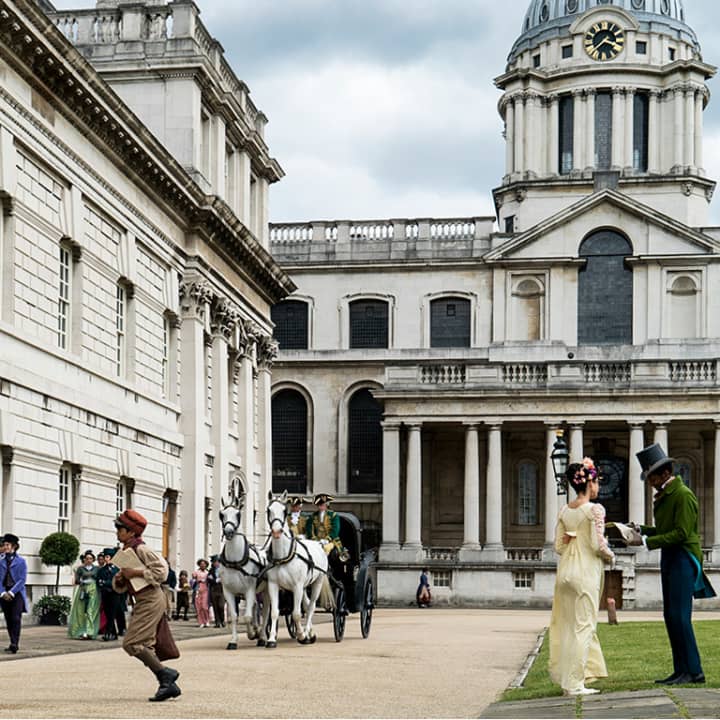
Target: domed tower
pixel 604 93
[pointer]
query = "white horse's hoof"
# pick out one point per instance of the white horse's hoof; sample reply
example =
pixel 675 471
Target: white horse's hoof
pixel 307 640
pixel 231 646
pixel 260 643
pixel 270 645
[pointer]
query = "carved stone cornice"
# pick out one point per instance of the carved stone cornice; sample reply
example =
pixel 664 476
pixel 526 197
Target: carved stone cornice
pixel 267 351
pixel 195 296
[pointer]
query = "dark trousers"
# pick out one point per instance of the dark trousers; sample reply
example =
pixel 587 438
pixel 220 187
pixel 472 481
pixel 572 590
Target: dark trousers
pixel 12 610
pixel 182 604
pixel 677 573
pixel 218 603
pixel 114 606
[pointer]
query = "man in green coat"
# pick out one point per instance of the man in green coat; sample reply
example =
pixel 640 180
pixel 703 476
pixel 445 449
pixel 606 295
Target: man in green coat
pixel 675 534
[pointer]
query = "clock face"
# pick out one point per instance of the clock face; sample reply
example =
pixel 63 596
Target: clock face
pixel 605 40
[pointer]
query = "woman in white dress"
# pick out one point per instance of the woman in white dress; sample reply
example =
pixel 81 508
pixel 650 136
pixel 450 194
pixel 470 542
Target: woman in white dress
pixel 575 654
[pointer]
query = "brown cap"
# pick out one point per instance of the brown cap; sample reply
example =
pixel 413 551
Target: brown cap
pixel 132 520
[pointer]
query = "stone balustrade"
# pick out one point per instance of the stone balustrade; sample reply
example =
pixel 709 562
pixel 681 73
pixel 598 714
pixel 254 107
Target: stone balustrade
pixel 339 240
pixel 523 554
pixel 100 26
pixel 444 554
pixel 442 374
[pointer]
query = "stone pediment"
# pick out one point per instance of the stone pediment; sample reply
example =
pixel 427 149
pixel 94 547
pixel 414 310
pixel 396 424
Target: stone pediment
pixel 650 232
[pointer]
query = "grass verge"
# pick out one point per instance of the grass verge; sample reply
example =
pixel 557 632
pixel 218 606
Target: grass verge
pixel 636 654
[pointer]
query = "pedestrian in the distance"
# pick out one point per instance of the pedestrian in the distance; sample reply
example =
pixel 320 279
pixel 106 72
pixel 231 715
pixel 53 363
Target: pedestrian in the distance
pixel 84 620
pixel 110 601
pixel 182 601
pixel 13 573
pixel 149 601
pixel 217 598
pixel 202 594
pixel 422 594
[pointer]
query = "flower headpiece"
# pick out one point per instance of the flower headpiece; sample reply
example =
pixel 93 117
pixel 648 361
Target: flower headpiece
pixel 585 472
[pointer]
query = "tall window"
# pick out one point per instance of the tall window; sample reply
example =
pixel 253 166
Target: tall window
pixel 641 114
pixel 603 130
pixel 369 324
pixel 566 131
pixel 605 288
pixel 289 442
pixel 527 494
pixel 64 496
pixel 122 496
pixel 120 328
pixel 365 443
pixel 64 297
pixel 450 322
pixel 291 324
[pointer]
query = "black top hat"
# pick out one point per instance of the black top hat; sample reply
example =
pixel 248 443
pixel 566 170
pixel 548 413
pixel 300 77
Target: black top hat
pixel 12 539
pixel 651 459
pixel 322 498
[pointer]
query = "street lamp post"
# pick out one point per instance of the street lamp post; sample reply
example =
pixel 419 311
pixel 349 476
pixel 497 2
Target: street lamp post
pixel 560 457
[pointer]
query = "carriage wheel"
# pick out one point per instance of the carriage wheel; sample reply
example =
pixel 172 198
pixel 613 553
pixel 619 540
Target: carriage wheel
pixel 367 608
pixel 339 614
pixel 291 627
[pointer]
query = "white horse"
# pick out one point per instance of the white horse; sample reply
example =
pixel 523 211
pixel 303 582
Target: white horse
pixel 240 565
pixel 293 564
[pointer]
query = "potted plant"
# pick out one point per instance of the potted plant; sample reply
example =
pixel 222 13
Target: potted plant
pixel 59 549
pixel 52 609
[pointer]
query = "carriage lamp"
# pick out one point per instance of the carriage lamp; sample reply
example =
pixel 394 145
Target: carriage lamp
pixel 560 457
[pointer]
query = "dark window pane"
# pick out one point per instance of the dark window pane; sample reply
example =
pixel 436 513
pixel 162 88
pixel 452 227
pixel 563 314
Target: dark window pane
pixel 640 132
pixel 369 324
pixel 289 442
pixel 291 324
pixel 567 111
pixel 605 288
pixel 450 322
pixel 365 443
pixel 603 130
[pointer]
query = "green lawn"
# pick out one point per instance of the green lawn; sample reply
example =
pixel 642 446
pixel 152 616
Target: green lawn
pixel 636 654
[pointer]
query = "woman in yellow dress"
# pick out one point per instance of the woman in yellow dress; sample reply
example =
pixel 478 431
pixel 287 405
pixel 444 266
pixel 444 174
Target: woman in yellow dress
pixel 575 654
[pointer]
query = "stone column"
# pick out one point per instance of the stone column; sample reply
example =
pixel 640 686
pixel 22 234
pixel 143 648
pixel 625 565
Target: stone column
pixel 578 130
pixel 699 105
pixel 195 298
pixel 493 548
pixel 519 133
pixel 636 487
pixel 618 134
pixel 678 129
pixel 654 131
pixel 553 161
pixel 471 541
pixel 552 499
pixel 577 452
pixel 629 134
pixel 413 502
pixel 661 436
pixel 590 128
pixel 247 335
pixel 391 491
pixel 532 125
pixel 689 150
pixel 716 498
pixel 509 137
pixel 267 350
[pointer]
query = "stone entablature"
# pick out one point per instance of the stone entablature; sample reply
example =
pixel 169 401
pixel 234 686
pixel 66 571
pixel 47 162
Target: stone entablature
pixel 390 239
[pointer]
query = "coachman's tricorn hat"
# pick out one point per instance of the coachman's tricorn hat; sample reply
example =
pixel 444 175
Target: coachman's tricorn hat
pixel 652 459
pixel 322 498
pixel 296 500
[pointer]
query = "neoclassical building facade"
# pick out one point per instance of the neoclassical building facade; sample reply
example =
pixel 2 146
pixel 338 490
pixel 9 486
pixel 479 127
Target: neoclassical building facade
pixel 135 333
pixel 426 365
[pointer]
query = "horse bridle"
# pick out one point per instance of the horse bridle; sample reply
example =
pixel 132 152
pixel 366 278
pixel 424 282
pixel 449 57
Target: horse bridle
pixel 235 526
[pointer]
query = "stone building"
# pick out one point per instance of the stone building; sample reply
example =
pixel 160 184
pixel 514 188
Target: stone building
pixel 427 364
pixel 135 331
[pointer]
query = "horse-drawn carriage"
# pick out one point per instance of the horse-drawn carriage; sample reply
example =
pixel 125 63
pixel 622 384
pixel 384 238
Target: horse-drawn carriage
pixel 351 581
pixel 301 569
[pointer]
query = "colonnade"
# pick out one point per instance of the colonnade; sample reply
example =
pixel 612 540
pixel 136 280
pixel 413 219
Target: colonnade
pixel 531 116
pixel 406 543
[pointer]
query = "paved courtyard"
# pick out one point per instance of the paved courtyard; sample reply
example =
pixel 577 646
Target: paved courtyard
pixel 416 663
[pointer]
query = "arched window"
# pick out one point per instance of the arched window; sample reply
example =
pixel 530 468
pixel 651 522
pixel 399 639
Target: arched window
pixel 369 324
pixel 605 289
pixel 291 324
pixel 289 442
pixel 527 493
pixel 684 311
pixel 450 322
pixel 365 443
pixel 527 310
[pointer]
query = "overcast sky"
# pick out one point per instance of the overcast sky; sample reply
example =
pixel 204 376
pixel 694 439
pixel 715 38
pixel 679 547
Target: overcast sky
pixel 387 108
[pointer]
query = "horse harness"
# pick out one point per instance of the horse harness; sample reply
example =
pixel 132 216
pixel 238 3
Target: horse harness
pixel 239 565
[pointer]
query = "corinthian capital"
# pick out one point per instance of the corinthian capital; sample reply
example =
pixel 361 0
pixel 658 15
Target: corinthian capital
pixel 248 334
pixel 195 296
pixel 267 351
pixel 224 317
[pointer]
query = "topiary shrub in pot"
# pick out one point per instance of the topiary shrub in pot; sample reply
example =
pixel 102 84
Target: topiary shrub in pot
pixel 59 549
